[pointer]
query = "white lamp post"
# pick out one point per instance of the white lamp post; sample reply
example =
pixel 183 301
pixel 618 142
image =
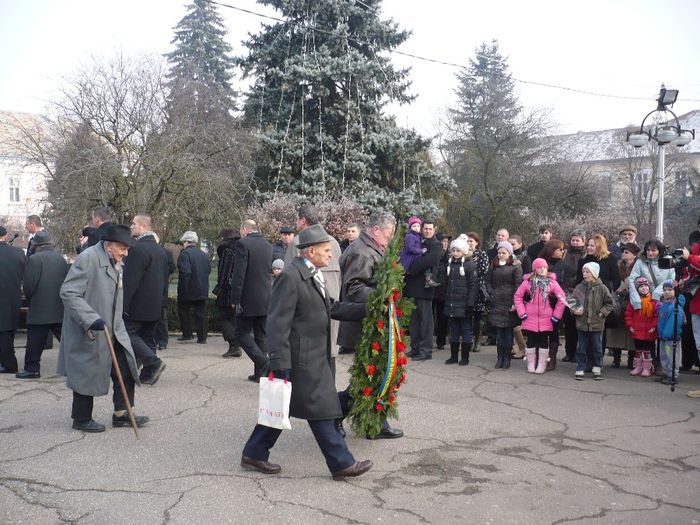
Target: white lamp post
pixel 662 135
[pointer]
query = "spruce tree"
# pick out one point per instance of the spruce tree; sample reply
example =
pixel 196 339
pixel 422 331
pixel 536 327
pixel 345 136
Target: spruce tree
pixel 322 80
pixel 201 65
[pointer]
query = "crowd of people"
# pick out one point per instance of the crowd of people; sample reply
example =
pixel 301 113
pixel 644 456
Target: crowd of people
pixel 293 305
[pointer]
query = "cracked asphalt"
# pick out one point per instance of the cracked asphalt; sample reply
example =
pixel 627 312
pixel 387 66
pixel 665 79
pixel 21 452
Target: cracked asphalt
pixel 481 446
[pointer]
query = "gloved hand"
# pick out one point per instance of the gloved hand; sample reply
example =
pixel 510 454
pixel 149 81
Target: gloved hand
pixel 282 373
pixel 523 317
pixel 554 320
pixel 237 309
pixel 97 325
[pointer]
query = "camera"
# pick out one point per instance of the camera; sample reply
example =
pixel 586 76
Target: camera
pixel 672 259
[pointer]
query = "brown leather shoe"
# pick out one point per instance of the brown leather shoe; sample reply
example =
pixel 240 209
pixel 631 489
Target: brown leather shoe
pixel 356 469
pixel 261 466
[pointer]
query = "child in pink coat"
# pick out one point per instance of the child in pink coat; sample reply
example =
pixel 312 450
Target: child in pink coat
pixel 534 307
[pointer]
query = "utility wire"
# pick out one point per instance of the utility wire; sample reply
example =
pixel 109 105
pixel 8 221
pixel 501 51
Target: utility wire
pixel 427 59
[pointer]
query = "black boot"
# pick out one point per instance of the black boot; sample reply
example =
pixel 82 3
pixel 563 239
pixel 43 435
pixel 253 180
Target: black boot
pixel 617 355
pixel 499 358
pixel 553 349
pixel 506 358
pixel 465 354
pixel 630 360
pixel 454 354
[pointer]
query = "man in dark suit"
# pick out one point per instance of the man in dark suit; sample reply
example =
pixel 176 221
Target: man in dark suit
pixel 227 316
pixel 193 268
pixel 145 285
pixel 299 326
pixel 250 293
pixel 162 327
pixel 33 226
pixel 534 250
pixel 43 277
pixel 279 249
pixel 101 220
pixel 12 262
pixel 421 327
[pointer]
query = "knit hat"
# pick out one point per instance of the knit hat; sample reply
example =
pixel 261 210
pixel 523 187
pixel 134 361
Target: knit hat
pixel 460 244
pixel 539 263
pixel 278 263
pixel 668 283
pixel 506 246
pixel 641 281
pixel 592 267
pixel 414 220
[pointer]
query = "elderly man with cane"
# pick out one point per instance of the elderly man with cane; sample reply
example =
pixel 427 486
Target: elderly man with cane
pixel 92 297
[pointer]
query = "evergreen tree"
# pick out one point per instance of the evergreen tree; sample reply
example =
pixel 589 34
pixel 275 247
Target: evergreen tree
pixel 506 173
pixel 321 82
pixel 200 64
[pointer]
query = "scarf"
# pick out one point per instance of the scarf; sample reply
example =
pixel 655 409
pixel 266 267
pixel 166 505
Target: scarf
pixel 647 306
pixel 541 284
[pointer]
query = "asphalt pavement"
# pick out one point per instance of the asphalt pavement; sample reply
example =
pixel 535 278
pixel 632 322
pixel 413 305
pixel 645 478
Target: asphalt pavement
pixel 481 446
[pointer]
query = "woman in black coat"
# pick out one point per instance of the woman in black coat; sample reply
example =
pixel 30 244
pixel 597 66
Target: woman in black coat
pixel 460 297
pixel 503 279
pixel 481 259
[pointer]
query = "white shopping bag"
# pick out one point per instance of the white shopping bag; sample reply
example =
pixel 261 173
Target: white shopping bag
pixel 273 408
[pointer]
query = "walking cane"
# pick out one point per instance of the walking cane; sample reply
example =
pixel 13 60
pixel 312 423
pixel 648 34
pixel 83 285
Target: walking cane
pixel 120 380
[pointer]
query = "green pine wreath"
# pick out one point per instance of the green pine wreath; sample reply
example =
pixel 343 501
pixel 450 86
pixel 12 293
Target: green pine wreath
pixel 372 404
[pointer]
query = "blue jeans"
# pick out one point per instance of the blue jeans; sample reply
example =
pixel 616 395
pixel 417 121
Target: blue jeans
pixel 504 338
pixel 666 351
pixel 591 340
pixel 460 327
pixel 695 322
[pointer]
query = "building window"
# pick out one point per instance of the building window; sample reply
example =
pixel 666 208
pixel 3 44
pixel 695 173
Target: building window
pixel 642 182
pixel 14 189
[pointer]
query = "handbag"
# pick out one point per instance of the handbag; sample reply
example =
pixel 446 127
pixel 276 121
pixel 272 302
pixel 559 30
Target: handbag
pixel 273 405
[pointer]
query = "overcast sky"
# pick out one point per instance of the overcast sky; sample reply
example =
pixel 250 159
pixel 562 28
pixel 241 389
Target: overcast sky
pixel 615 47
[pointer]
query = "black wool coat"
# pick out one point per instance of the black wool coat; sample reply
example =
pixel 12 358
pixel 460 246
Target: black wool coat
pixel 609 271
pixel 250 284
pixel 415 275
pixel 193 268
pixel 43 277
pixel 145 280
pixel 12 262
pixel 224 273
pixel 501 283
pixel 461 290
pixel 298 337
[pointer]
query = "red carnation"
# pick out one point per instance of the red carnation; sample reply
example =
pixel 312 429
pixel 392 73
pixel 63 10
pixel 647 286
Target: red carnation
pixel 399 313
pixel 400 346
pixel 375 346
pixel 367 391
pixel 370 370
pixel 378 407
pixel 397 295
pixel 402 332
pixel 391 400
pixel 380 324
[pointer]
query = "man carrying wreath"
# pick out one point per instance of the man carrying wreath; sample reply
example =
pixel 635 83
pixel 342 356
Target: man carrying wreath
pixel 298 328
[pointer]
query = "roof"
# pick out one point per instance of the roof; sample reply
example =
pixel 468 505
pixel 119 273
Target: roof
pixel 610 144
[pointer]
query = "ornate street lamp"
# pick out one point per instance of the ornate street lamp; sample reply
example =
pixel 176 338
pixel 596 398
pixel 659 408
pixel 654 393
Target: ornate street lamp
pixel 662 135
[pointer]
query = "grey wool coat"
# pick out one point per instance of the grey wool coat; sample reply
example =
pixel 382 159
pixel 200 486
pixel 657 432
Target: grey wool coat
pixel 92 290
pixel 298 339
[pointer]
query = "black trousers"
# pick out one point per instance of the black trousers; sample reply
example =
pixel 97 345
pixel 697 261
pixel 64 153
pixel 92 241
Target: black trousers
pixel 329 440
pixel 537 339
pixel 7 350
pixel 162 329
pixel 689 354
pixel 227 321
pixel 441 321
pixel 82 404
pixel 142 335
pixel 570 333
pixel 199 309
pixel 421 327
pixel 36 340
pixel 250 332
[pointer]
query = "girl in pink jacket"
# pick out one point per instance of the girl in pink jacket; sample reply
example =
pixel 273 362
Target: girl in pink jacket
pixel 533 302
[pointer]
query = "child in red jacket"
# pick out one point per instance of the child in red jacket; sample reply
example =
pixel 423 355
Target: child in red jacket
pixel 642 326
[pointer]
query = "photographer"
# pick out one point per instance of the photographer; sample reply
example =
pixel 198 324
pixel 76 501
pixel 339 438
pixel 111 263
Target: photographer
pixel 647 266
pixel 691 274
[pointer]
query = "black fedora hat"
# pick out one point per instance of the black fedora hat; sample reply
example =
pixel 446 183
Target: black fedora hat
pixel 313 235
pixel 119 233
pixel 41 238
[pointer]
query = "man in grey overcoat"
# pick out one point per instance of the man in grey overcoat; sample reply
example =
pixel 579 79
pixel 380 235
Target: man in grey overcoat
pixel 43 277
pixel 298 328
pixel 92 297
